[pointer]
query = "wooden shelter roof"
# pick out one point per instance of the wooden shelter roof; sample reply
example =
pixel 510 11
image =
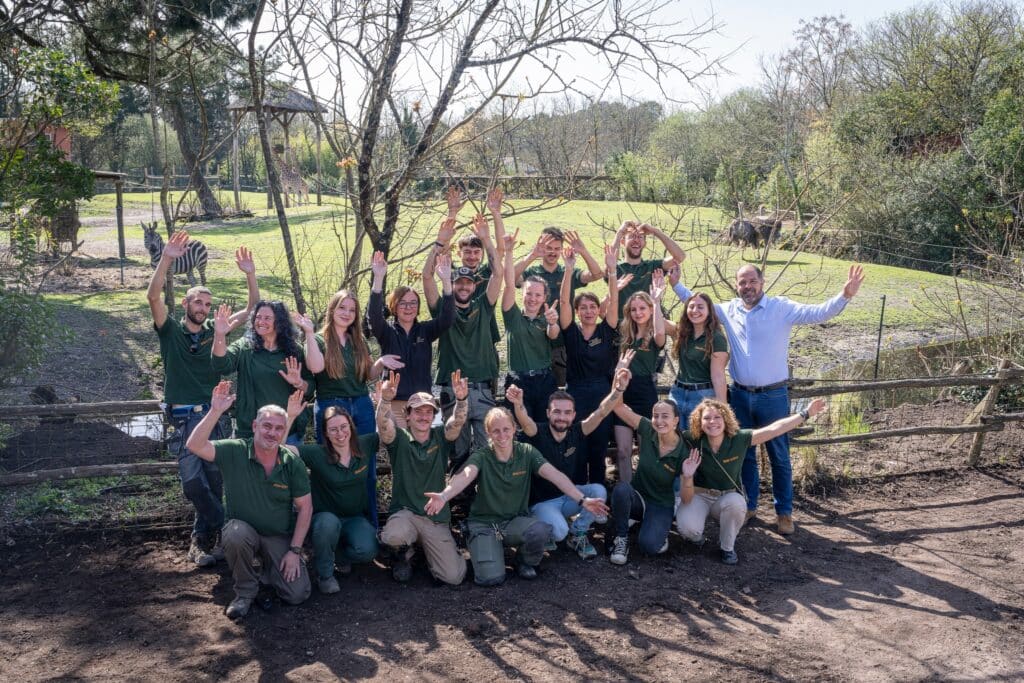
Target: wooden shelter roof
pixel 280 98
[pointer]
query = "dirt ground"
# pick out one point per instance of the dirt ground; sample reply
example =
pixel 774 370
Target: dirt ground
pixel 910 578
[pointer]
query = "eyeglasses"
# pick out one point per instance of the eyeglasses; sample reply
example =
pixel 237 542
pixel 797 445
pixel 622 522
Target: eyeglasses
pixel 409 304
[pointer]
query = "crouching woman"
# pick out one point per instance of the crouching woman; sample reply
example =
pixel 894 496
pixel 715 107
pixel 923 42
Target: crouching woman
pixel 711 476
pixel 499 514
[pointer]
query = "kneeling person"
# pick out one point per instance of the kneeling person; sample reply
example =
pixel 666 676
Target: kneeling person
pixel 263 481
pixel 499 514
pixel 338 471
pixel 419 459
pixel 563 443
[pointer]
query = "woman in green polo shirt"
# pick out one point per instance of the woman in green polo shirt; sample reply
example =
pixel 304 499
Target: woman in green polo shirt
pixel 642 332
pixel 702 353
pixel 338 474
pixel 499 515
pixel 649 496
pixel 711 476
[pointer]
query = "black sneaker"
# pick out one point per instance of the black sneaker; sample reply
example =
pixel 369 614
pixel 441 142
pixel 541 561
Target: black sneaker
pixel 401 571
pixel 729 557
pixel 526 571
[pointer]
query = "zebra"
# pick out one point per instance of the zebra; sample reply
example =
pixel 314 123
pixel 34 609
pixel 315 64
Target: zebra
pixel 195 255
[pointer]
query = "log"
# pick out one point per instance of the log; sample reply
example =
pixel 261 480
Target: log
pixel 910 383
pixel 894 433
pixel 987 404
pixel 82 409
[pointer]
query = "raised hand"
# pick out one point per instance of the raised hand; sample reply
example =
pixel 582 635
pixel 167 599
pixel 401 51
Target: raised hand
pixel 222 319
pixel 622 378
pixel 176 245
pixel 455 200
pixel 854 281
pixel 292 372
pixel 244 261
pixel 389 387
pixel 379 265
pixel 611 258
pixel 514 395
pixel 691 464
pixel 539 248
pixel 817 406
pixel 657 284
pixel 392 361
pixel 551 313
pixel 480 228
pixel 460 385
pixel 222 398
pixel 645 229
pixel 303 322
pixel 621 282
pixel 510 241
pixel 574 240
pixel 626 226
pixel 296 404
pixel 569 258
pixel 494 199
pixel 443 267
pixel 673 275
pixel 625 360
pixel 435 503
pixel 447 231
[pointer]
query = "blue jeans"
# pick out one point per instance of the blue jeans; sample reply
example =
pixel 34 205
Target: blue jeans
pixel 687 400
pixel 655 520
pixel 345 540
pixel 588 396
pixel 759 410
pixel 557 511
pixel 362 412
pixel 201 481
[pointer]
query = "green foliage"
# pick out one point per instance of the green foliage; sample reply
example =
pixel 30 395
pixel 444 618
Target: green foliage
pixel 39 175
pixel 27 329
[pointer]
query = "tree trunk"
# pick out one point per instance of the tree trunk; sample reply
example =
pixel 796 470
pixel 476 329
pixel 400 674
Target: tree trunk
pixel 197 179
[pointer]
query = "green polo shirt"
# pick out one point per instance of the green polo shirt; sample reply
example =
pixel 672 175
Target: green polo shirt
pixel 467 344
pixel 645 362
pixel 554 280
pixel 189 378
pixel 503 488
pixel 417 468
pixel 641 281
pixel 337 488
pixel 656 473
pixel 694 363
pixel 258 382
pixel 346 386
pixel 716 468
pixel 528 345
pixel 264 502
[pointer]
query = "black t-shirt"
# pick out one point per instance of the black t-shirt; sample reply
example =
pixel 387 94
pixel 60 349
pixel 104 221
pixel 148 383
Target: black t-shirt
pixel 591 358
pixel 569 456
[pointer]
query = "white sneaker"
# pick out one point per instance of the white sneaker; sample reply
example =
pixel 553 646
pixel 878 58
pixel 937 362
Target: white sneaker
pixel 620 550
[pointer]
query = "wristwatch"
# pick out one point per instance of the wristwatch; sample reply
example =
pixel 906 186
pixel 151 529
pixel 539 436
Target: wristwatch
pixel 581 501
pixel 805 414
pixel 296 549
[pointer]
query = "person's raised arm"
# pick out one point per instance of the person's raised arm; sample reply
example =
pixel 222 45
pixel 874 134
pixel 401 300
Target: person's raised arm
pixel 551 318
pixel 690 467
pixel 375 307
pixel 514 395
pixel 657 319
pixel 174 248
pixel 565 485
pixel 494 199
pixel 314 356
pixel 622 377
pixel 787 424
pixel 535 253
pixel 459 481
pixel 676 253
pixel 565 290
pixel 430 265
pixel 246 264
pixel 611 259
pixel 508 297
pixel 296 404
pixel 594 271
pixel 620 234
pixel 497 262
pixel 383 395
pixel 291 563
pixel 455 201
pixel 803 314
pixel 460 387
pixel 221 327
pixel 199 440
pixel 607 405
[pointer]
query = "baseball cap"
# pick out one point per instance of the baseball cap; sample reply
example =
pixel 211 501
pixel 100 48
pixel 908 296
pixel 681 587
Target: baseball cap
pixel 421 398
pixel 463 272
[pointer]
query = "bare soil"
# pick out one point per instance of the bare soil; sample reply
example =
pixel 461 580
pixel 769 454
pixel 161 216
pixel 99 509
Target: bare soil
pixel 910 578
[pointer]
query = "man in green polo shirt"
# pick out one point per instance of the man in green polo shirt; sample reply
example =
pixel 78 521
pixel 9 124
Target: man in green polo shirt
pixel 467 346
pixel 188 381
pixel 263 482
pixel 419 459
pixel 634 236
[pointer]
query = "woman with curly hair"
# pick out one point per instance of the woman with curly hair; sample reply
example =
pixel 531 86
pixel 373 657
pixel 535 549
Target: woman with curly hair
pixel 270 361
pixel 702 353
pixel 711 476
pixel 641 331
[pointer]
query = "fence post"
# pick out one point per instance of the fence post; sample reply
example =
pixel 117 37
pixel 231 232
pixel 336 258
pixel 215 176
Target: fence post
pixel 987 404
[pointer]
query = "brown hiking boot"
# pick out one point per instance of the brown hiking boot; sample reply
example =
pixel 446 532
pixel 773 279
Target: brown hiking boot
pixel 785 523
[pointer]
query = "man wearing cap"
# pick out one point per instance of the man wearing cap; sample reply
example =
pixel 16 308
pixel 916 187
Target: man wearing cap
pixel 419 458
pixel 188 382
pixel 467 346
pixel 267 500
pixel 758 328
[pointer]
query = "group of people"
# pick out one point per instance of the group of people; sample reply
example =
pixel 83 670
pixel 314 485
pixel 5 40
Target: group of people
pixel 580 369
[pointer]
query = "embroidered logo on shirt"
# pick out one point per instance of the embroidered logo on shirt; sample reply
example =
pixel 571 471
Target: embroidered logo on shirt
pixel 361 469
pixel 569 451
pixel 645 345
pixel 432 449
pixel 519 473
pixel 279 486
pixel 595 341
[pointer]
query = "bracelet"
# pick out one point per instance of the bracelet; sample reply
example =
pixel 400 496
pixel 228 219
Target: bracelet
pixel 439 244
pixel 805 414
pixel 581 501
pixel 296 549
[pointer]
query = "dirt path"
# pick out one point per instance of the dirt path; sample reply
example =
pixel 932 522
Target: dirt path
pixel 917 578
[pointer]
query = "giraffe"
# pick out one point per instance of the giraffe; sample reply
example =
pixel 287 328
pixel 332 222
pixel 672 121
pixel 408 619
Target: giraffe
pixel 291 179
